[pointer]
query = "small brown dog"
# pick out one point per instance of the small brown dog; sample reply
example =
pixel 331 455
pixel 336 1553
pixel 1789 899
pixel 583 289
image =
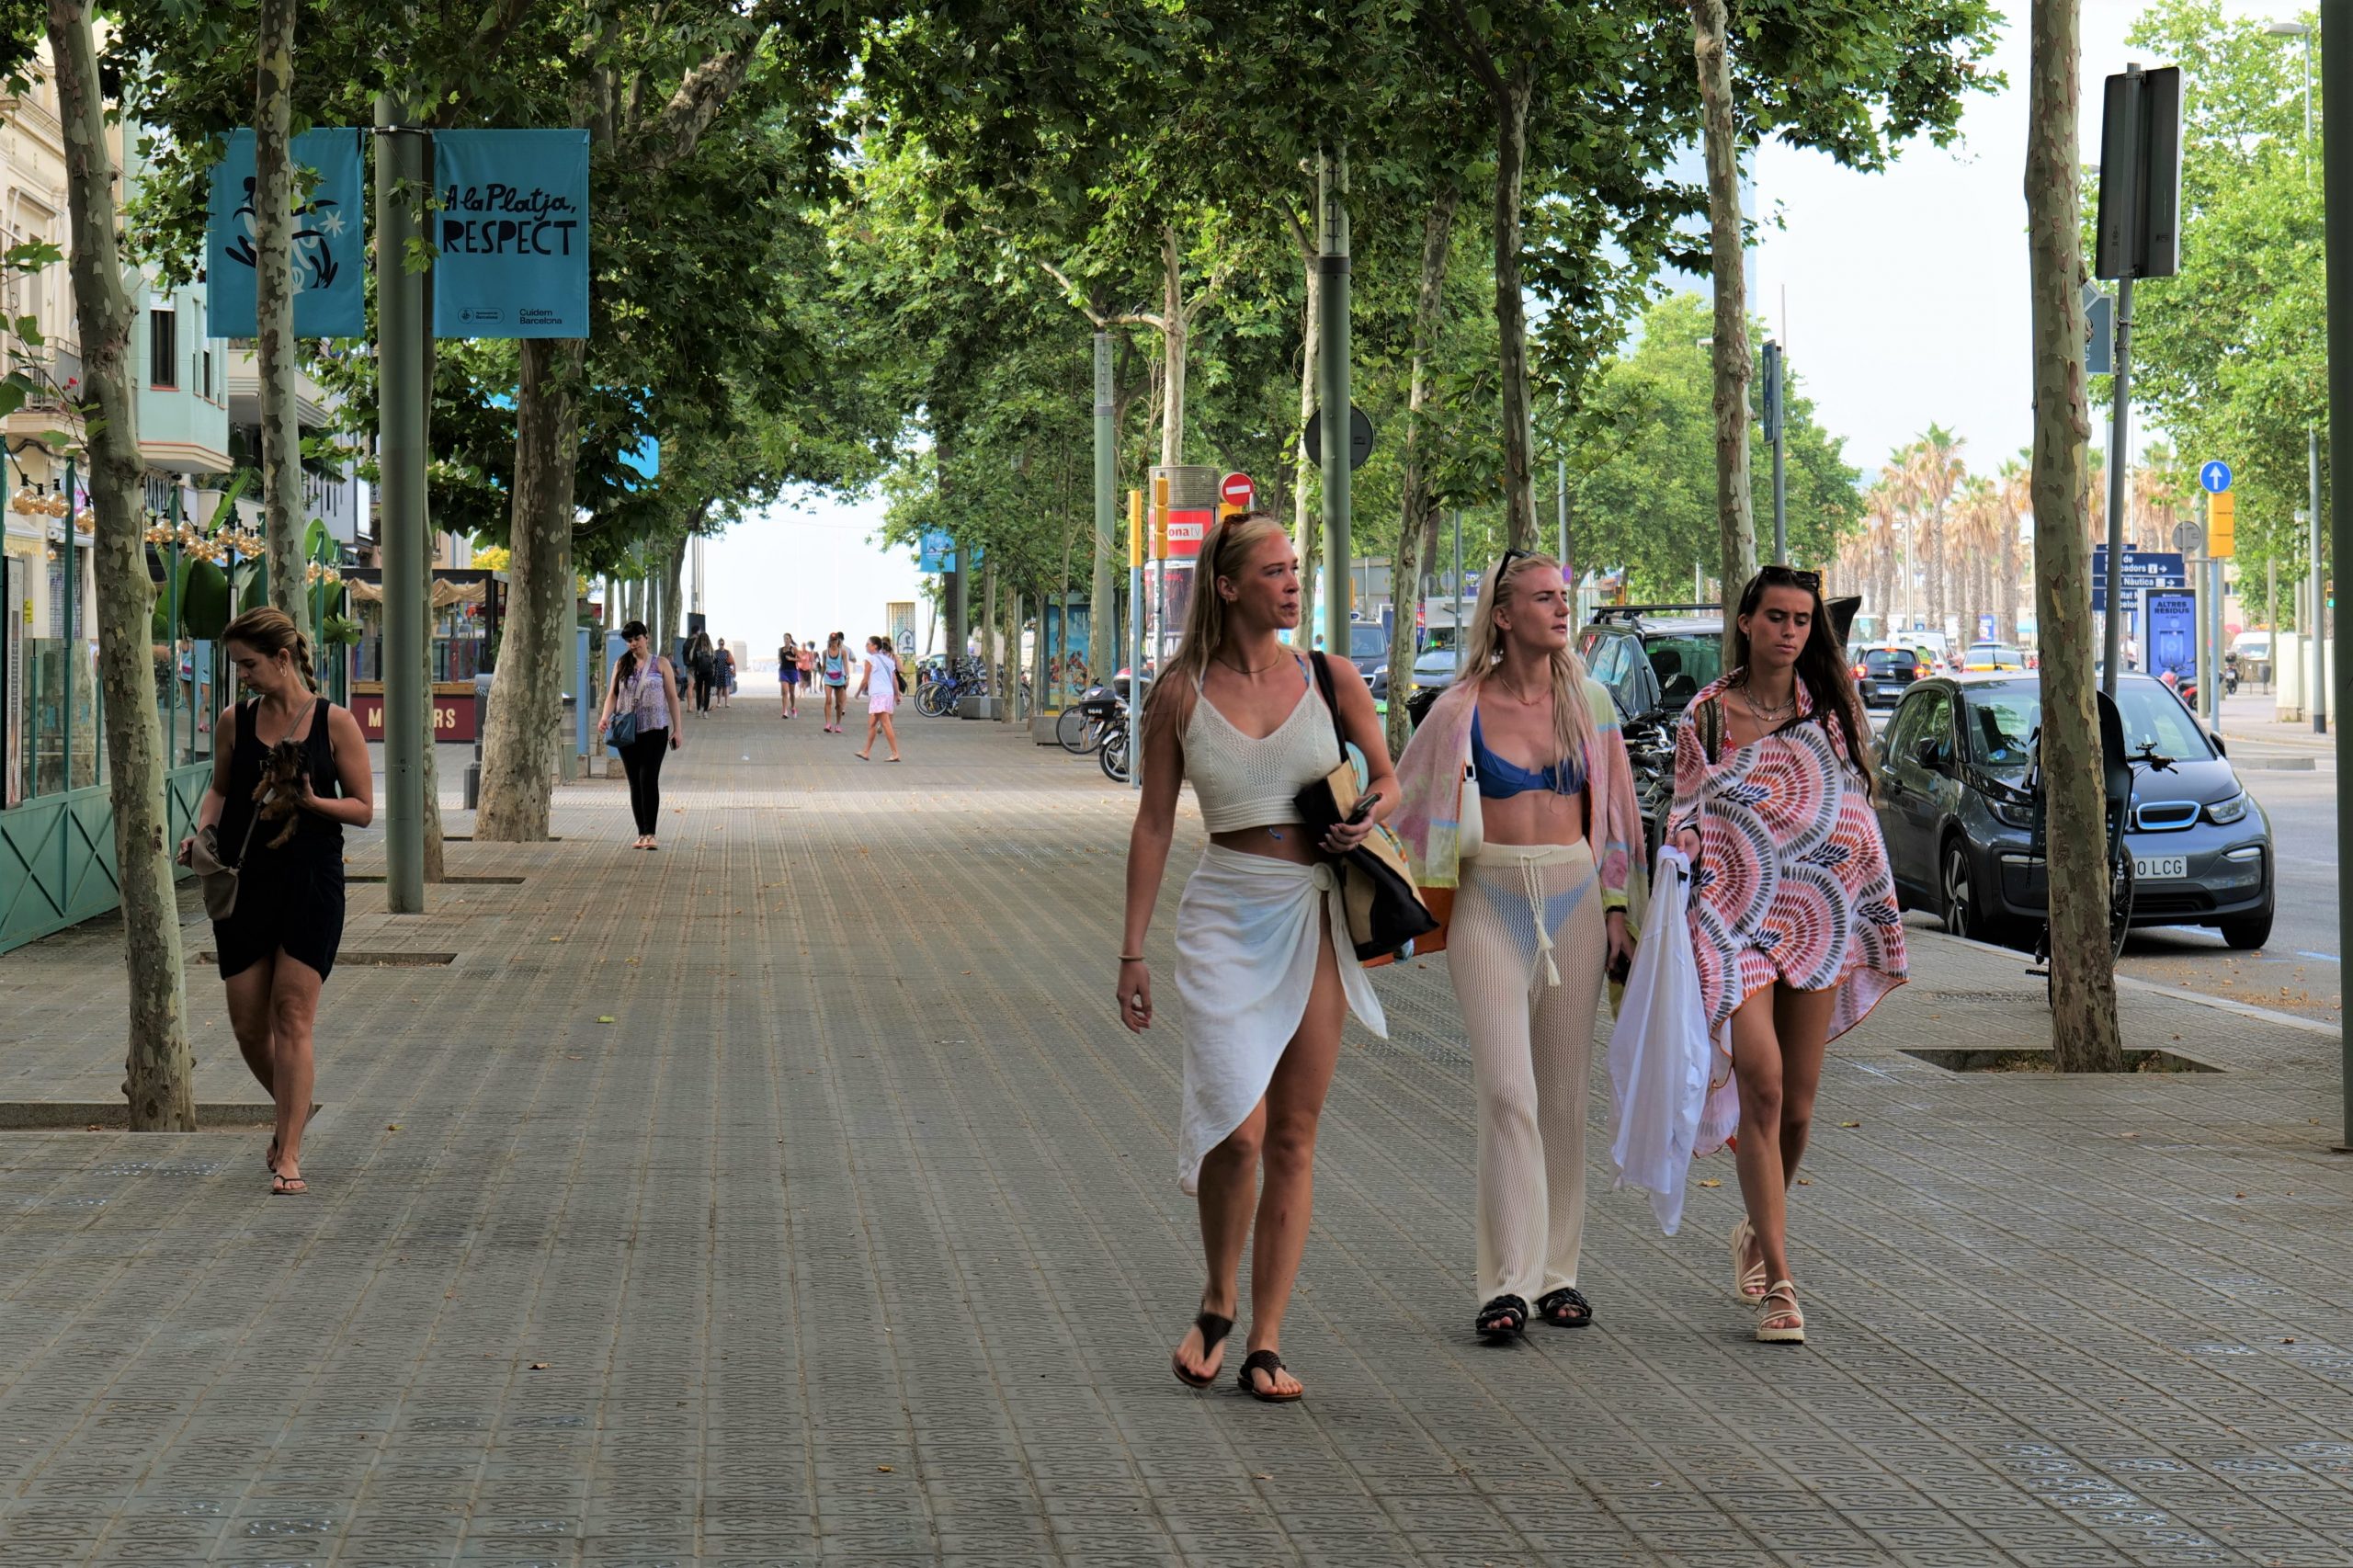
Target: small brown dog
pixel 281 788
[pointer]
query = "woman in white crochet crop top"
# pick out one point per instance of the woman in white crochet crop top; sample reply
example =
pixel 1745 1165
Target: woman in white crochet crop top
pixel 1264 983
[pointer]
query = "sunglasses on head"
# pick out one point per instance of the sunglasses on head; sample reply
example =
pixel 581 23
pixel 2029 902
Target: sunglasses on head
pixel 1791 577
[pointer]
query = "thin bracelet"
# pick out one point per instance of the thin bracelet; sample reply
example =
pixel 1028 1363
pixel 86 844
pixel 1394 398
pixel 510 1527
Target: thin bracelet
pixel 1131 957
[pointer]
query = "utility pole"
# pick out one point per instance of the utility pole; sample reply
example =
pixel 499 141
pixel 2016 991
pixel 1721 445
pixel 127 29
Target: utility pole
pixel 1773 372
pixel 1332 387
pixel 2336 186
pixel 1102 616
pixel 1458 594
pixel 2318 593
pixel 401 179
pixel 1561 499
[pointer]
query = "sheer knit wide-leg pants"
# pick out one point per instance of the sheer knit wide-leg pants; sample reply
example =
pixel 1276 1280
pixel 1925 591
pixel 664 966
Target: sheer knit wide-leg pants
pixel 1527 943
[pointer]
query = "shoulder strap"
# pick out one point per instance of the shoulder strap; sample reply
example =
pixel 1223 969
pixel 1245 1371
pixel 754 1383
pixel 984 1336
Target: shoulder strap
pixel 1331 702
pixel 1712 727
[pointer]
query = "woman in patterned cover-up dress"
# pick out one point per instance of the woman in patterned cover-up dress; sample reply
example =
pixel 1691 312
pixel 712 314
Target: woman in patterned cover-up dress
pixel 1794 922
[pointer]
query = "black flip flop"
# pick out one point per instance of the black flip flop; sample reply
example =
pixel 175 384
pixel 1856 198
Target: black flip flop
pixel 1511 1311
pixel 1265 1361
pixel 1215 1331
pixel 1568 1299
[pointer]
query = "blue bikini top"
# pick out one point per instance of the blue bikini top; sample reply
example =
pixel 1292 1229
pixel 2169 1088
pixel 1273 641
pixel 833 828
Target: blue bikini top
pixel 1499 779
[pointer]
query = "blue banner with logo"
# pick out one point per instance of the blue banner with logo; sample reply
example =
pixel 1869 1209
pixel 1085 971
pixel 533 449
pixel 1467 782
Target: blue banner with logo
pixel 512 232
pixel 329 240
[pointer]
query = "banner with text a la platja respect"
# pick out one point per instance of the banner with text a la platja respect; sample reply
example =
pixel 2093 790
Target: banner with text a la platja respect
pixel 511 232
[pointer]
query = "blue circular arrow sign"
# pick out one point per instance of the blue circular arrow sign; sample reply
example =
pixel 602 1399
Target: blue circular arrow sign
pixel 2215 477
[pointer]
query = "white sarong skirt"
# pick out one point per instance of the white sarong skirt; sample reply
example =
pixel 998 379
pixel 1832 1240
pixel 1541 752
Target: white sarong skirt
pixel 1247 930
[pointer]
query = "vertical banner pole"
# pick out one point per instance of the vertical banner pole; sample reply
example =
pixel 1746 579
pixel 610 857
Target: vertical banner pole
pixel 399 329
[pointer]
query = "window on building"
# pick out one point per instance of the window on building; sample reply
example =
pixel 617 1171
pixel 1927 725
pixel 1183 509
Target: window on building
pixel 162 347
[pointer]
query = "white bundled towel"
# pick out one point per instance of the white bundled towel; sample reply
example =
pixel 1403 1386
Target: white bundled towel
pixel 1248 932
pixel 1659 1050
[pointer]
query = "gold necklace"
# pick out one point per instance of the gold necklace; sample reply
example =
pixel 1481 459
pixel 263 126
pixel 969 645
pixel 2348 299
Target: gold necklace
pixel 1247 670
pixel 1774 714
pixel 1524 701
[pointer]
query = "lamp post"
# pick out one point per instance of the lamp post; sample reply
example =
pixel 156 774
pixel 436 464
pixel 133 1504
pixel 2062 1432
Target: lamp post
pixel 2318 704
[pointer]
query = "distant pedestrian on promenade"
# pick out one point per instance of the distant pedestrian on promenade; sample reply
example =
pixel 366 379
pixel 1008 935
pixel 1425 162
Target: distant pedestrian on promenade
pixel 804 657
pixel 877 682
pixel 290 772
pixel 1527 745
pixel 834 664
pixel 722 674
pixel 646 689
pixel 1264 962
pixel 787 676
pixel 1793 916
pixel 703 664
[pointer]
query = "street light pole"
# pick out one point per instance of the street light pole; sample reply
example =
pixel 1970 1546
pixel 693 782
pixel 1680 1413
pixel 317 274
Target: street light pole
pixel 1332 387
pixel 2337 75
pixel 1775 369
pixel 2316 702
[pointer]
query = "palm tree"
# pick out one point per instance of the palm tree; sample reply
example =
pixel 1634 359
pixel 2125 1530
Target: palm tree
pixel 1977 544
pixel 2153 498
pixel 1934 468
pixel 1883 536
pixel 2015 503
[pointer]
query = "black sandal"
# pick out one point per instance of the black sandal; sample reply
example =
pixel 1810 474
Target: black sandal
pixel 1567 1299
pixel 1501 1318
pixel 1265 1361
pixel 1214 1333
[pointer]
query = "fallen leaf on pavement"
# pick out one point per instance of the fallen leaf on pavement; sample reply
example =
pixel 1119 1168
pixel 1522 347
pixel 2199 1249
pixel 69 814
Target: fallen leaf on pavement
pixel 1712 1181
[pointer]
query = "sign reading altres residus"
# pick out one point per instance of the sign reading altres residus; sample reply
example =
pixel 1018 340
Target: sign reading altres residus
pixel 511 232
pixel 328 243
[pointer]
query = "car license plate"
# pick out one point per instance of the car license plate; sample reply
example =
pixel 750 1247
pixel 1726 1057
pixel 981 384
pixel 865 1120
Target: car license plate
pixel 2154 868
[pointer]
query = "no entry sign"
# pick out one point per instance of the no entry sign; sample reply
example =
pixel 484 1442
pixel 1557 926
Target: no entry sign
pixel 1236 490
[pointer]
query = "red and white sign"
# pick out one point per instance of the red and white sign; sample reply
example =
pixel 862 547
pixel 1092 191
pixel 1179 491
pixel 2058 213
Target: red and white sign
pixel 1188 526
pixel 1236 490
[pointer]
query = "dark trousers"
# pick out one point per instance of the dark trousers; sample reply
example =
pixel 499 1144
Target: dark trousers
pixel 641 760
pixel 702 694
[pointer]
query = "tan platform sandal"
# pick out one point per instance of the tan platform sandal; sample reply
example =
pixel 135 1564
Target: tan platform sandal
pixel 1778 1320
pixel 1748 1278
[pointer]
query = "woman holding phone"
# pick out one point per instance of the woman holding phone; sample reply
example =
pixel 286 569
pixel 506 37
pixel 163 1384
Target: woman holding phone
pixel 1527 745
pixel 1794 922
pixel 1263 964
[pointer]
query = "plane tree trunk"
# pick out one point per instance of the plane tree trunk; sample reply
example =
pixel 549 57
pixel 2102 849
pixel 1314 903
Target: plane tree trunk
pixel 2084 1036
pixel 159 1066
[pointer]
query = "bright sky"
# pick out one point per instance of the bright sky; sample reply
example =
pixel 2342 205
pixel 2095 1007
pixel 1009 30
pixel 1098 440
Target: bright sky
pixel 1906 305
pixel 808 567
pixel 1906 292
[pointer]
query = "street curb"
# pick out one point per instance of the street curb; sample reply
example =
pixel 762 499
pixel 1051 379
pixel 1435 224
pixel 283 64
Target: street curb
pixel 2154 988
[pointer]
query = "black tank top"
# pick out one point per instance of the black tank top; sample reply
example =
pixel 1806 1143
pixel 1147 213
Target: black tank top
pixel 315 837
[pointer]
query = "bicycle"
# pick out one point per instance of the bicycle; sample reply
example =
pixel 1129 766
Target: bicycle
pixel 938 696
pixel 1113 755
pixel 1083 724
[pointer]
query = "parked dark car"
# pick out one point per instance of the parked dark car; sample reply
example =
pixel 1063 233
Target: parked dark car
pixel 1655 659
pixel 1884 674
pixel 1959 824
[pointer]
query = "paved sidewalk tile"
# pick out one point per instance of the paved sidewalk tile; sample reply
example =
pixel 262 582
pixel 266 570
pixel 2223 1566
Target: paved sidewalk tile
pixel 791 1196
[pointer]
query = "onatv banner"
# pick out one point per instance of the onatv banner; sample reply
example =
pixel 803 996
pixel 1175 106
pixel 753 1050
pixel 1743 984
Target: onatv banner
pixel 329 239
pixel 512 231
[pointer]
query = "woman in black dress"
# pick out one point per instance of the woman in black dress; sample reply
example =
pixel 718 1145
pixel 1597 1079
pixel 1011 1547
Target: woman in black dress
pixel 277 946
